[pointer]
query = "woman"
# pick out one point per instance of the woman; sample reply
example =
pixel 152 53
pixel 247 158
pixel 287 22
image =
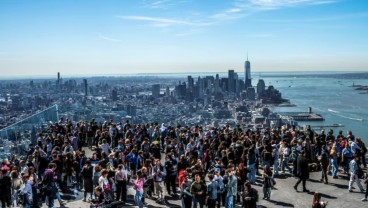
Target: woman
pixel 241 174
pixel 250 196
pixel 104 183
pixel 316 203
pixel 87 173
pixel 35 180
pixel 27 191
pixel 16 184
pixel 100 198
pixel 334 165
pixel 267 182
pixel 251 158
pixel 138 187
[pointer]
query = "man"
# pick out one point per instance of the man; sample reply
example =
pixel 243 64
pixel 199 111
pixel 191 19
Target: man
pixel 212 188
pixel 159 173
pixel 186 196
pixel 171 170
pixel 198 190
pixel 231 187
pixel 302 171
pixel 323 159
pixel 353 166
pixel 48 184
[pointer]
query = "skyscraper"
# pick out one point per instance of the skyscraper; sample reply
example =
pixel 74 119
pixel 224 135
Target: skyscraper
pixel 156 90
pixel 231 81
pixel 248 79
pixel 85 87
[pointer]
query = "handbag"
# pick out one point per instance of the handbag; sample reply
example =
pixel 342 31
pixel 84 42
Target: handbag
pixel 107 187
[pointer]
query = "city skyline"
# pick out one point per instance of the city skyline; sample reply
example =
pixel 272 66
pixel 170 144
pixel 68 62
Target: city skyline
pixel 165 36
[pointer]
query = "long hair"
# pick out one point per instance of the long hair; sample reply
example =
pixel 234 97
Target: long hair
pixel 316 198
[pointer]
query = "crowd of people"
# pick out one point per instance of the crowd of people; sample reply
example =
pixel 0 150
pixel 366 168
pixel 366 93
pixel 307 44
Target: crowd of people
pixel 211 167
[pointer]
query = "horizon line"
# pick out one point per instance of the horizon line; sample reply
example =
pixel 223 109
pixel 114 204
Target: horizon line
pixel 155 74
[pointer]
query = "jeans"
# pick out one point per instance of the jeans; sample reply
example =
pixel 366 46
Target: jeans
pixel 267 192
pixel 285 163
pixel 276 167
pixel 354 178
pixel 334 166
pixel 50 199
pixel 138 198
pixel 230 202
pixel 252 173
pixel 212 203
pixel 198 200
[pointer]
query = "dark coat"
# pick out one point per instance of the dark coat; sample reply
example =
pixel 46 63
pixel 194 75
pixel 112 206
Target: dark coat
pixel 302 167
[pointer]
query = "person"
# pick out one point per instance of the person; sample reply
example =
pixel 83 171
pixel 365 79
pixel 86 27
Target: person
pixel 121 183
pixel 186 196
pixel 138 187
pixel 285 158
pixel 323 159
pixel 333 159
pixel 221 192
pixel 104 183
pixel 231 187
pixel 159 173
pixel 87 173
pixel 100 198
pixel 267 182
pixel 303 171
pixel 27 191
pixel 366 188
pixel 353 166
pixel 5 185
pixel 198 190
pixel 250 196
pixel 171 171
pixel 16 184
pixel 212 188
pixel 317 203
pixel 49 185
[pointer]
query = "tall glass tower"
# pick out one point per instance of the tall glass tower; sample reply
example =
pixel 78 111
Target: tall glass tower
pixel 247 80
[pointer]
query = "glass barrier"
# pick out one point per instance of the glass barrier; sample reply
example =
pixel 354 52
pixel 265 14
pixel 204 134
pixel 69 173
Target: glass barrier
pixel 16 137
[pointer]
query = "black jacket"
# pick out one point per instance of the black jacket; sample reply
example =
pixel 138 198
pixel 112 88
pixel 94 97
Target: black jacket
pixel 302 167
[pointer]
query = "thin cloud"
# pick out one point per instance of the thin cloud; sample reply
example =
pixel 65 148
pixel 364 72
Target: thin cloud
pixel 108 38
pixel 163 4
pixel 243 8
pixel 164 22
pixel 320 19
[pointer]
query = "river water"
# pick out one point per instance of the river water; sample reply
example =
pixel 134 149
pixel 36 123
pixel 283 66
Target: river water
pixel 335 99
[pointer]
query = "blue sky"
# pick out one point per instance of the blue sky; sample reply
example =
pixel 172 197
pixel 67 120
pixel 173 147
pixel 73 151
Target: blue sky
pixel 118 37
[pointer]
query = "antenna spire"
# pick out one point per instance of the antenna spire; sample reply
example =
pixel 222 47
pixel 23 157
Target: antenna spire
pixel 247 55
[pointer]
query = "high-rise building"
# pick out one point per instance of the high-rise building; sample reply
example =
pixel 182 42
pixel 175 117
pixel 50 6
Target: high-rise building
pixel 217 83
pixel 156 90
pixel 58 78
pixel 231 81
pixel 247 79
pixel 190 83
pixel 261 87
pixel 85 87
pixel 114 95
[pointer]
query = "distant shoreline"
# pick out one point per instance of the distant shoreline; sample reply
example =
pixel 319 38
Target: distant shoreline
pixel 264 74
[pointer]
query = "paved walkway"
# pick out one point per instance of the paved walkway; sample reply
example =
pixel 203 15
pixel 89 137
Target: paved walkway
pixel 336 193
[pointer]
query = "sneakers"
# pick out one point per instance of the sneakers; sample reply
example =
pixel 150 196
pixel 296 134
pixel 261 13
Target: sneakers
pixel 364 199
pixel 350 190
